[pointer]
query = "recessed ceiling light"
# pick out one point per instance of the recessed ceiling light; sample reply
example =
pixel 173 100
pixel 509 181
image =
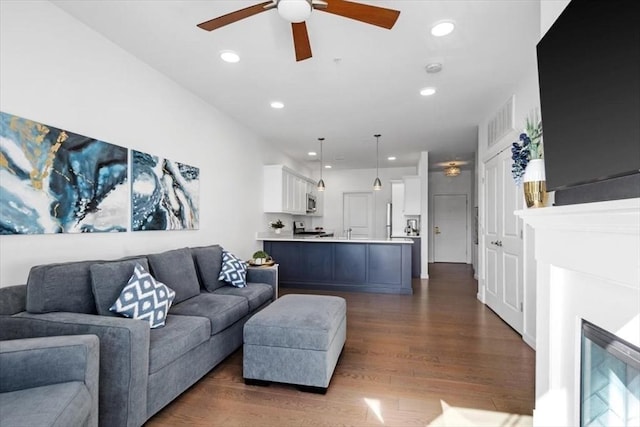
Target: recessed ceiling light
pixel 327 166
pixel 312 153
pixel 229 56
pixel 428 91
pixel 442 28
pixel 277 104
pixel 391 158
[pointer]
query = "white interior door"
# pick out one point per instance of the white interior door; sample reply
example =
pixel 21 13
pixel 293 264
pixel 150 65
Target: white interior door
pixel 502 241
pixel 450 228
pixel 358 214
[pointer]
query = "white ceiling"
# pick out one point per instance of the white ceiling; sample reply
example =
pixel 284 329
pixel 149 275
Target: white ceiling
pixel 362 79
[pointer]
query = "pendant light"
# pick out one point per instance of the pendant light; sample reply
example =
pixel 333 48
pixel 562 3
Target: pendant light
pixel 321 182
pixel 377 184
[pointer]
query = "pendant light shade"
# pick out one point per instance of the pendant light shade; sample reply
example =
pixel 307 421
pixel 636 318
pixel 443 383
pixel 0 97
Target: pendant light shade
pixel 377 184
pixel 321 182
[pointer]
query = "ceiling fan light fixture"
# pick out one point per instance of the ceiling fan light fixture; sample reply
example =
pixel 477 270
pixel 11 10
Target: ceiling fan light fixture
pixel 294 11
pixel 452 170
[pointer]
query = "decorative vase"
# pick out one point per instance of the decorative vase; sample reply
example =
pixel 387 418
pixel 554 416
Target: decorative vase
pixel 278 230
pixel 535 187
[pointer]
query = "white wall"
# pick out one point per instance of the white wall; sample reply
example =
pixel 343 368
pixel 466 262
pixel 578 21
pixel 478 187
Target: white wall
pixel 440 184
pixel 549 12
pixel 339 182
pixel 56 71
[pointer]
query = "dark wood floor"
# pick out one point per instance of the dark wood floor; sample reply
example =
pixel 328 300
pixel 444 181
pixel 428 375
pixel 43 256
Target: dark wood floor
pixel 404 357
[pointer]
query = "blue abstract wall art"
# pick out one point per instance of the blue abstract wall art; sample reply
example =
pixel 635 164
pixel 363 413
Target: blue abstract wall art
pixel 55 181
pixel 165 195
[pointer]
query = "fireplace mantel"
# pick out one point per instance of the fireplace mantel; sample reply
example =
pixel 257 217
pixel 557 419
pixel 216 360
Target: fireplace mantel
pixel 588 267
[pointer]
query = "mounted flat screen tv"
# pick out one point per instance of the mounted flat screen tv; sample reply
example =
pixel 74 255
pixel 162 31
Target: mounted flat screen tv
pixel 589 76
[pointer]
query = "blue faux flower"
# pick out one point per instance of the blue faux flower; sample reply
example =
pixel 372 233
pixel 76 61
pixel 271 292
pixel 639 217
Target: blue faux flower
pixel 528 147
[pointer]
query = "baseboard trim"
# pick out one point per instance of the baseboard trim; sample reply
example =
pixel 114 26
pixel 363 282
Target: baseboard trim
pixel 529 340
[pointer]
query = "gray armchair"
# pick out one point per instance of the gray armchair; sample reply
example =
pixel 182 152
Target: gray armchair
pixel 48 381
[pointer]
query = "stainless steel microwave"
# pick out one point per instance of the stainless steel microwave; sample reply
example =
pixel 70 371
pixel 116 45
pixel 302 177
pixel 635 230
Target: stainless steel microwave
pixel 311 203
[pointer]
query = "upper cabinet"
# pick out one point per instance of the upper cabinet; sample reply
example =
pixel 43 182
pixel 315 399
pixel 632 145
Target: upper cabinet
pixel 285 191
pixel 411 195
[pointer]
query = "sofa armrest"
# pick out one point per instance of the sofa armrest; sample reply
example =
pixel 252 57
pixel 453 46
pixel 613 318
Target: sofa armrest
pixel 13 299
pixel 124 358
pixel 268 275
pixel 36 362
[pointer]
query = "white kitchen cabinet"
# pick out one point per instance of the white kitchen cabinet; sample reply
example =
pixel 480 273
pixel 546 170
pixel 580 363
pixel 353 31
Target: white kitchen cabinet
pixel 411 195
pixel 300 195
pixel 285 191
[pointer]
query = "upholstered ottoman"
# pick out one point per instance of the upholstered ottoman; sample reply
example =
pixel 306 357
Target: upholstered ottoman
pixel 296 340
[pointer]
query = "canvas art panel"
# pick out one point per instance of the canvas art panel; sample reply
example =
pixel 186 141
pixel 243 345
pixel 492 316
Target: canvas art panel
pixel 56 181
pixel 164 194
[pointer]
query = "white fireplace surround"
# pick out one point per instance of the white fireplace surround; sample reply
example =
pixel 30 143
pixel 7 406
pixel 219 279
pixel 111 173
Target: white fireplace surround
pixel 588 267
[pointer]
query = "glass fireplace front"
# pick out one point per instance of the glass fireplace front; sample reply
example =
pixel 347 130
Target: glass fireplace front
pixel 610 379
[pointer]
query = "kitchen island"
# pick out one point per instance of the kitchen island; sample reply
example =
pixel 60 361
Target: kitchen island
pixel 334 263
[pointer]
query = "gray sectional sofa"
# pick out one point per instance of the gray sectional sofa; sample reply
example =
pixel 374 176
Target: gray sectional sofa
pixel 142 369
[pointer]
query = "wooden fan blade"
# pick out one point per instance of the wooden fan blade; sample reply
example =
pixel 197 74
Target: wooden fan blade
pixel 301 41
pixel 374 15
pixel 232 17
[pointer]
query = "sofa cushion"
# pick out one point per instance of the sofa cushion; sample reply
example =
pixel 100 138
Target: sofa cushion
pixel 60 287
pixel 256 293
pixel 179 335
pixel 109 278
pixel 221 310
pixel 233 271
pixel 209 262
pixel 176 270
pixel 64 404
pixel 144 298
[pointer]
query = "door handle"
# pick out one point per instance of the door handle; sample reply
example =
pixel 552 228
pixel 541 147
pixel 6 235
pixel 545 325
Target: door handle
pixel 437 230
pixel 499 243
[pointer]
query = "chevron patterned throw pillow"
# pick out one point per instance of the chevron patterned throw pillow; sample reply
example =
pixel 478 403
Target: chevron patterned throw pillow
pixel 233 271
pixel 144 298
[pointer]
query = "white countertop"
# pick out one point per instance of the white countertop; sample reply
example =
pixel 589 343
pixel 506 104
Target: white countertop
pixel 335 239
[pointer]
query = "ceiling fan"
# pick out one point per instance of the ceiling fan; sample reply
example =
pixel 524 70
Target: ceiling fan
pixel 297 11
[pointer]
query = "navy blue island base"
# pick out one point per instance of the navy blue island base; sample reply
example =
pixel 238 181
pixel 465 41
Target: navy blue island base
pixel 353 265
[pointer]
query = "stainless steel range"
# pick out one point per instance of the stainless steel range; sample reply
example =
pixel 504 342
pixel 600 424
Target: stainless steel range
pixel 299 229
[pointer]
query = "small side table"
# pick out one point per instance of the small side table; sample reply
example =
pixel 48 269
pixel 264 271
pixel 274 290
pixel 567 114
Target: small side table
pixel 269 267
